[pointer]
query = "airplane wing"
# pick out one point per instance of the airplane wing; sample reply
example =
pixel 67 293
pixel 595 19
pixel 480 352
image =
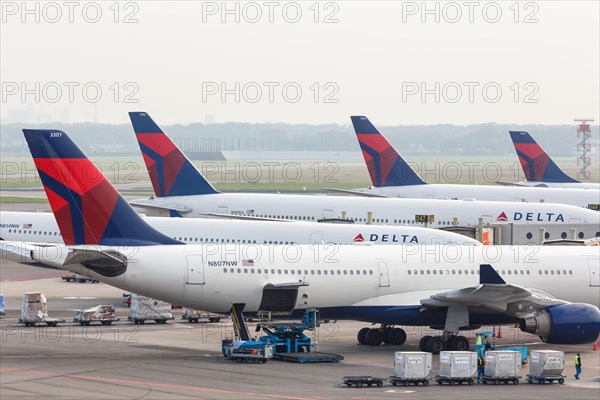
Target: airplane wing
pixel 163 211
pixel 355 193
pixel 493 294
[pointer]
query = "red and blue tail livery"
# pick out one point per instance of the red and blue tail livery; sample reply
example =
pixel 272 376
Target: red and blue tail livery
pixel 88 209
pixel 385 165
pixel 537 165
pixel 171 173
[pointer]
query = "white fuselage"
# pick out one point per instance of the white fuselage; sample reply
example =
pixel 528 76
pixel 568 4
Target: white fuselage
pixel 575 197
pixel 389 211
pixel 563 185
pixel 42 228
pixel 211 278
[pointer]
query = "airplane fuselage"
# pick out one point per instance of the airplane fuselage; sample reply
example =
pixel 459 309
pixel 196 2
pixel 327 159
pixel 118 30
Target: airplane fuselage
pixel 390 211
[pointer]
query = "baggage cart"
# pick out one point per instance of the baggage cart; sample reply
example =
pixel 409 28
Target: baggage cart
pixel 78 278
pixel 194 316
pixel 147 309
pixel 502 366
pixel 360 381
pixel 541 379
pixel 34 310
pixel 457 367
pixel 104 314
pixel 394 380
pixel 441 379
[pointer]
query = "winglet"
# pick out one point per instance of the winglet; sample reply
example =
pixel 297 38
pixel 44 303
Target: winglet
pixel 87 208
pixel 536 164
pixel 386 166
pixel 489 276
pixel 171 172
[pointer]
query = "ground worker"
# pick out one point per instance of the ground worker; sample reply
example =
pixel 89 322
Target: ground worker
pixel 480 366
pixel 577 365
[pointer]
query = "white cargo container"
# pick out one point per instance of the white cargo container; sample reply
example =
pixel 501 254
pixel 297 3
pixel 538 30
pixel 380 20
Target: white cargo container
pixel 546 362
pixel 412 364
pixel 145 308
pixel 458 364
pixel 500 363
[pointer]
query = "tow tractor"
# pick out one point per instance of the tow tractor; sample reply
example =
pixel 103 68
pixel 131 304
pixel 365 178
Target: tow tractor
pixel 483 337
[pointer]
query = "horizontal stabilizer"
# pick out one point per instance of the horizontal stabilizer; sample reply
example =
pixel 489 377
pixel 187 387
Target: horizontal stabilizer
pixel 166 211
pixel 355 193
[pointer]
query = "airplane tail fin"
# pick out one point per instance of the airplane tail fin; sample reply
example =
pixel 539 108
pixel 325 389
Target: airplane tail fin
pixel 386 166
pixel 87 208
pixel 171 173
pixel 537 165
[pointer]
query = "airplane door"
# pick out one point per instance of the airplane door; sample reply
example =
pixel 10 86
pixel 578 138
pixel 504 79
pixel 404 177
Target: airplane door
pixel 384 275
pixel 222 210
pixel 195 270
pixel 316 238
pixel 327 214
pixel 594 266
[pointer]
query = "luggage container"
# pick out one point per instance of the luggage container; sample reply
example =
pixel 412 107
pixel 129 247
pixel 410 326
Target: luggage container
pixel 502 366
pixel 411 368
pixel 34 310
pixel 104 314
pixel 457 367
pixel 147 309
pixel 546 366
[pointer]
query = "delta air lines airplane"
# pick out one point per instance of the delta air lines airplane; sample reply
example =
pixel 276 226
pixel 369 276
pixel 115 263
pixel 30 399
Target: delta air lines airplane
pixel 551 292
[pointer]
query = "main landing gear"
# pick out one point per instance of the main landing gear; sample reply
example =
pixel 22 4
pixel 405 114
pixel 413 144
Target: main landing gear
pixel 433 344
pixel 436 344
pixel 386 334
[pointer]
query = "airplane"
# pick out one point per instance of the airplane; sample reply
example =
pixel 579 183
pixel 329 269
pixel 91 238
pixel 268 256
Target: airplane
pixel 551 292
pixel 42 228
pixel 539 169
pixel 392 176
pixel 180 188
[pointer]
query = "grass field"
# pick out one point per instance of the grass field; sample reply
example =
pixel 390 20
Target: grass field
pixel 129 173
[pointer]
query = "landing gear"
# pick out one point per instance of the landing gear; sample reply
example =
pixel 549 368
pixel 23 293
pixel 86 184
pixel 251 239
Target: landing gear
pixel 385 334
pixel 437 344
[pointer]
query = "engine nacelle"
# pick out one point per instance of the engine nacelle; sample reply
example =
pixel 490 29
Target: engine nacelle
pixel 575 323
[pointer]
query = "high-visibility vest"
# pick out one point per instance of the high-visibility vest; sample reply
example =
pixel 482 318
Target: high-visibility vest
pixel 478 340
pixel 577 362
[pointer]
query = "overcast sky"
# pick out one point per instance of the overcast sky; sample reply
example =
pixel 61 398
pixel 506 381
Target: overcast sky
pixel 536 62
